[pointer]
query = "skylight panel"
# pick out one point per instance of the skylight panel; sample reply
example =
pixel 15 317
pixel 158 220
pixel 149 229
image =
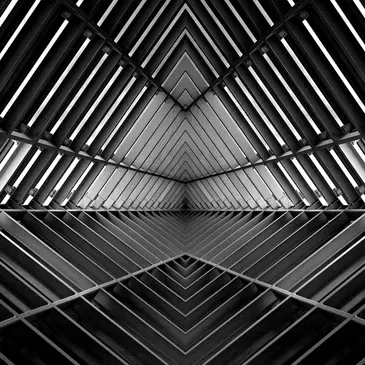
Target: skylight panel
pixel 291 93
pixel 260 111
pixel 222 29
pixel 61 181
pixel 7 11
pixel 327 178
pixel 276 105
pixel 78 94
pixel 59 82
pixel 263 12
pixel 129 21
pixel 19 28
pixel 334 65
pixel 34 68
pixel 149 27
pixel 78 183
pixel 95 104
pixel 111 111
pixel 293 184
pixel 247 118
pixel 43 178
pixel 312 83
pixel 348 24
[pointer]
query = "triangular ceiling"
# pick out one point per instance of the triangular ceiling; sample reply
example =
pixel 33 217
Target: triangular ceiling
pixel 172 104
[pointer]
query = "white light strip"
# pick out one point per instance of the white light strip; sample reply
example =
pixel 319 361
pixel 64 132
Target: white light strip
pixel 28 200
pixel 240 20
pixel 5 200
pixel 209 39
pixel 292 94
pixel 304 174
pixel 78 183
pixel 195 44
pixel 334 65
pixel 263 12
pixel 291 3
pixel 129 21
pixel 292 183
pixel 19 28
pixel 95 104
pixel 125 116
pixel 222 28
pixel 276 105
pixel 110 111
pixel 59 82
pixel 149 27
pixel 62 181
pixel 161 39
pixel 9 154
pixel 79 93
pixel 259 110
pixel 247 118
pixel 107 12
pixel 322 171
pixel 274 178
pixel 349 25
pixel 311 81
pixel 343 168
pixel 168 54
pixel 34 68
pixel 323 201
pixel 360 7
pixel 203 55
pixel 48 171
pixel 79 3
pixel 27 168
pixel 7 11
pixel 67 174
pixel 342 200
pixel 359 150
